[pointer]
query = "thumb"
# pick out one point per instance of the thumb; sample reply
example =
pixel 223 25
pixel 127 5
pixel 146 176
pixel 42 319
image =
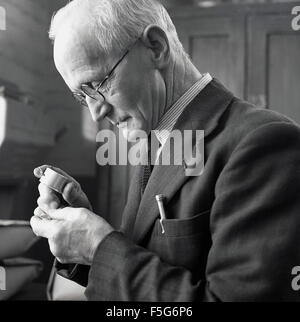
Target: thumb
pixel 38 172
pixel 74 196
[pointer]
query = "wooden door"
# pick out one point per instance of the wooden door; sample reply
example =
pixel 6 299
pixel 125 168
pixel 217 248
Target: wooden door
pixel 216 44
pixel 274 64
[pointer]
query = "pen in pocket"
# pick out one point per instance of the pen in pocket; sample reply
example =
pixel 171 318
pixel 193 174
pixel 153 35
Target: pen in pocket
pixel 159 199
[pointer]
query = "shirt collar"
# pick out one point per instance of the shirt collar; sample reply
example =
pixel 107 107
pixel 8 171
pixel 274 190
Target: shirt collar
pixel 169 119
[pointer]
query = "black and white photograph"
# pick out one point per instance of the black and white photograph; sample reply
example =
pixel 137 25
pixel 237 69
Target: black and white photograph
pixel 149 153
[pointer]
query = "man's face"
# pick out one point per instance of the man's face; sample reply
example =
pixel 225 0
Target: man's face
pixel 135 94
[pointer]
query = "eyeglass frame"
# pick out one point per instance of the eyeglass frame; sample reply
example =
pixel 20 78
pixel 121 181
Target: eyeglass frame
pixel 81 97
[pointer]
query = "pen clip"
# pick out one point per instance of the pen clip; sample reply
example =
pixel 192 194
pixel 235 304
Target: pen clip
pixel 159 199
pixel 162 226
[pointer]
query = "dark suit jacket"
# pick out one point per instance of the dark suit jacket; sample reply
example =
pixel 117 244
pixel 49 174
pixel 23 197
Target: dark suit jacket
pixel 232 233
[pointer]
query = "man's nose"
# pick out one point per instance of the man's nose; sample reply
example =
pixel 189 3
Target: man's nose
pixel 98 110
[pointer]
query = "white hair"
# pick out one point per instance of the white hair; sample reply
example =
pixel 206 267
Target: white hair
pixel 116 23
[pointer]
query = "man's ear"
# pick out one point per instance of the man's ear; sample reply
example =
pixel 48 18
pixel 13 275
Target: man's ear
pixel 156 39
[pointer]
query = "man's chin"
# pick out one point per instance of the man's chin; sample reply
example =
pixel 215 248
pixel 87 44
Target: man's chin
pixel 132 135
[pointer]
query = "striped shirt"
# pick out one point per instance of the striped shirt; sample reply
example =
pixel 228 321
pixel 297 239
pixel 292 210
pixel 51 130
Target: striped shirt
pixel 169 119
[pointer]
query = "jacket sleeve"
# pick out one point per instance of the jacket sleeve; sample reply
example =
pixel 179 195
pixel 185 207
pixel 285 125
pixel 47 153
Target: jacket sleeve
pixel 255 232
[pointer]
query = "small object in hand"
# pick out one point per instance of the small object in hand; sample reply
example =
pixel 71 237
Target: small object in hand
pixel 54 180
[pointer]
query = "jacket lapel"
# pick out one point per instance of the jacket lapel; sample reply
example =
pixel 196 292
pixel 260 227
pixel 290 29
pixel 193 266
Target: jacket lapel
pixel 133 202
pixel 203 113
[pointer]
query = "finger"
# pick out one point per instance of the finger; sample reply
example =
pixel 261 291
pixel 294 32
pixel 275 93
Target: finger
pixel 40 213
pixel 48 203
pixel 73 194
pixel 38 172
pixel 47 207
pixel 41 227
pixel 47 193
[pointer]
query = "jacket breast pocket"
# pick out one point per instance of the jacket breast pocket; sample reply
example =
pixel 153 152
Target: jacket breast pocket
pixel 185 242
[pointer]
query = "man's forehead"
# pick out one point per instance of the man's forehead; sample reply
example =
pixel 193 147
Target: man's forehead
pixel 70 43
pixel 78 58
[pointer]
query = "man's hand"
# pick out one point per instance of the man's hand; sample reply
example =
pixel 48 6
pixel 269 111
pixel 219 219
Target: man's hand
pixel 73 233
pixel 72 192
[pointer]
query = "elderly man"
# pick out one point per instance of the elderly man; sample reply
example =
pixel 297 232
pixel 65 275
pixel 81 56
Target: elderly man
pixel 232 232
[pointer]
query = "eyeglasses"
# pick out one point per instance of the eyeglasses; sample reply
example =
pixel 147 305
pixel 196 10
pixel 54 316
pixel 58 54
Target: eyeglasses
pixel 95 93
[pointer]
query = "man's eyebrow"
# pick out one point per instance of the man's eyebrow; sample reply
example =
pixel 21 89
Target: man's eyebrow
pixel 95 81
pixel 78 88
